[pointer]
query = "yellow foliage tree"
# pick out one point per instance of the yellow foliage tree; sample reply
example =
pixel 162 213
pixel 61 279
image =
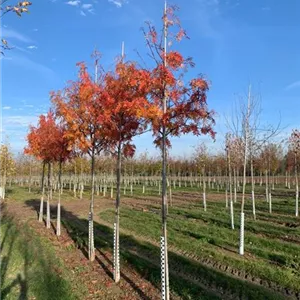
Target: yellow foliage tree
pixel 7 165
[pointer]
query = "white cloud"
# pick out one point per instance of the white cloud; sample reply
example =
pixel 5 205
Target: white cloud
pixel 12 34
pixel 19 121
pixel 6 107
pixel 16 128
pixel 32 47
pixel 87 6
pixel 21 49
pixel 22 61
pixel 118 3
pixel 73 3
pixel 35 29
pixel 293 85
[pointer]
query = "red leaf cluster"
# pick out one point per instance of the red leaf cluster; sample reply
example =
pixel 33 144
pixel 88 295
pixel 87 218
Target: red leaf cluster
pixel 174 60
pixel 82 107
pixel 186 106
pixel 107 114
pixel 47 141
pixel 127 88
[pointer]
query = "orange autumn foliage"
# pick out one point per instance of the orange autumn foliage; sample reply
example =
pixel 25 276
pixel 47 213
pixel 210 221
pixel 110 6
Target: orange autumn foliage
pixel 128 107
pixel 47 141
pixel 82 106
pixel 187 110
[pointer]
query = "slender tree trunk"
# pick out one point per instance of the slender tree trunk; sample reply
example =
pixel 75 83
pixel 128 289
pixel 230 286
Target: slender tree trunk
pixel 260 178
pixel 48 225
pixel 43 193
pixel 91 213
pixel 204 189
pixel 43 177
pixel 246 133
pixel 81 179
pixel 230 190
pixel 170 195
pixel 117 219
pixel 51 181
pixel 235 184
pixel 297 187
pixel 252 189
pixel 238 179
pixel 75 180
pixel 242 233
pixel 164 248
pixel 58 205
pixel 164 244
pixel 269 185
pixel 267 188
pixel 29 187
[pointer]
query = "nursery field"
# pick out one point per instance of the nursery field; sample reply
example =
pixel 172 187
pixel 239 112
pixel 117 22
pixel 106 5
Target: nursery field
pixel 204 262
pixel 144 176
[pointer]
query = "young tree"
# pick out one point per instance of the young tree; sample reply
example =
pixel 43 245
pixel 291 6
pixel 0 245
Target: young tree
pixel 269 163
pixel 289 163
pixel 228 148
pixel 236 151
pixel 81 106
pixel 7 167
pixel 128 107
pixel 201 159
pixel 294 143
pixel 63 147
pixel 42 143
pixel 34 148
pixel 182 108
pixel 246 126
pixel 246 137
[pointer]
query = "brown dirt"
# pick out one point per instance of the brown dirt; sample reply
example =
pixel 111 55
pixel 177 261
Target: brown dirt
pixel 97 275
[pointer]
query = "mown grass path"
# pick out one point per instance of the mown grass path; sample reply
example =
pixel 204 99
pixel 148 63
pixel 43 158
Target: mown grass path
pixel 203 256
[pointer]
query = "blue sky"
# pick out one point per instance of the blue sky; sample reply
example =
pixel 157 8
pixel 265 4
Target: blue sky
pixel 233 43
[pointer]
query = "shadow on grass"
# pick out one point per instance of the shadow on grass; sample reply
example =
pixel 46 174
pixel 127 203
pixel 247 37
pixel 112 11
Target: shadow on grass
pixel 188 279
pixel 78 231
pixel 24 253
pixel 8 240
